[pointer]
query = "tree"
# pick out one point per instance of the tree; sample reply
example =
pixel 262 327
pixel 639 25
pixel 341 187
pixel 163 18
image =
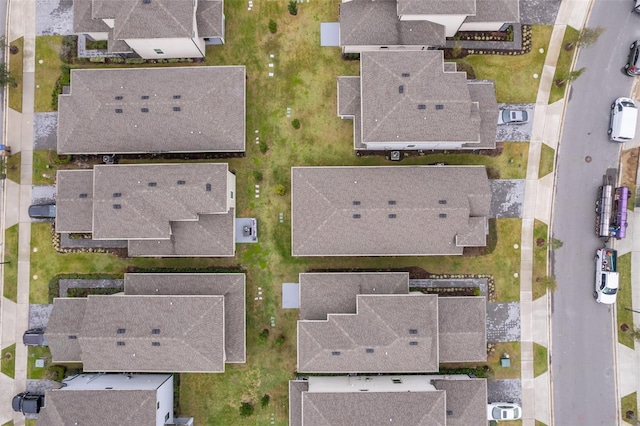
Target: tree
pixel 569 77
pixel 246 409
pixel 273 27
pixel 635 333
pixel 549 283
pixel 293 7
pixel 589 36
pixel 6 79
pixel 456 51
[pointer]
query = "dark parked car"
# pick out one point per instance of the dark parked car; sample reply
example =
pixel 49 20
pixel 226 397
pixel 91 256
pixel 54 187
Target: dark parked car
pixel 42 211
pixel 632 67
pixel 27 403
pixel 513 116
pixel 34 337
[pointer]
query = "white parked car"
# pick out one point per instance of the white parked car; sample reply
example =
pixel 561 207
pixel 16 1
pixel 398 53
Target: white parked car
pixel 503 411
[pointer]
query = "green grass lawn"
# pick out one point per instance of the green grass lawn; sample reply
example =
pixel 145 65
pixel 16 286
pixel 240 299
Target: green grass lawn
pixel 47 72
pixel 624 300
pixel 13 167
pixel 10 423
pixel 8 361
pixel 540 230
pixel 513 75
pixel 493 360
pixel 15 69
pixel 629 403
pixel 547 160
pixel 10 287
pixel 33 353
pixel 564 63
pixel 540 360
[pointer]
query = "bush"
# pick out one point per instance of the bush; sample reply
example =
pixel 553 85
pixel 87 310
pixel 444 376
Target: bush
pixel 63 80
pixel 134 61
pixel 264 335
pixel 296 124
pixel 281 189
pixel 273 27
pixel 98 59
pixel 246 409
pixel 116 60
pixel 257 175
pixel 62 159
pixel 293 7
pixel 279 341
pixel 263 147
pixel 264 401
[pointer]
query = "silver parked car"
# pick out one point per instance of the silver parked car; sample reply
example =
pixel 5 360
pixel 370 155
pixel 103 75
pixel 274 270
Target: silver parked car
pixel 513 116
pixel 632 67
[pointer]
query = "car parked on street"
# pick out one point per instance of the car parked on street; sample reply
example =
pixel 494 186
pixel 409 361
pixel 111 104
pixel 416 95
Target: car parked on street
pixel 624 117
pixel 632 67
pixel 513 116
pixel 42 211
pixel 27 403
pixel 498 411
pixel 34 337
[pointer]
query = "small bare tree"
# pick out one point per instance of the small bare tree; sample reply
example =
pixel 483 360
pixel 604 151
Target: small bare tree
pixel 589 36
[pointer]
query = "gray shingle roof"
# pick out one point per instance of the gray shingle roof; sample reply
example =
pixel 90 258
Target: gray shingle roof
pixel 210 18
pixel 231 286
pixel 367 23
pixel 117 333
pixel 462 329
pixel 74 199
pixel 211 236
pixel 150 196
pixel 83 21
pixel 335 293
pixel 484 93
pixel 391 103
pixel 349 105
pixel 436 7
pixel 155 19
pixel 296 387
pixel 376 339
pixel 374 408
pixel 188 109
pixel 496 11
pixel 324 204
pixel 93 407
pixel 466 401
pixel 66 320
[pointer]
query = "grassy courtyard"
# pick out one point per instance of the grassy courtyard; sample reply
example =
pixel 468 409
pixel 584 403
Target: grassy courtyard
pixel 305 81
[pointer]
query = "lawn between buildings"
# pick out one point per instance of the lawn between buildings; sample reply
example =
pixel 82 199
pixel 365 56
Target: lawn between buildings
pixel 10 267
pixel 624 317
pixel 15 70
pixel 304 80
pixel 8 361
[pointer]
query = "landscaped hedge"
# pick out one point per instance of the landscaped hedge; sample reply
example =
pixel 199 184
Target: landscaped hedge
pixel 54 283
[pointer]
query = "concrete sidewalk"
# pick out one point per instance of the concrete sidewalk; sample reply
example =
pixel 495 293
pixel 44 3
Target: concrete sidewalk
pixel 535 315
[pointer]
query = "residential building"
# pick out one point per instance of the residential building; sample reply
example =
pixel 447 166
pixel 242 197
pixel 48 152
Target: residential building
pixel 416 24
pixel 152 29
pixel 153 110
pixel 391 399
pixel 371 323
pixel 161 323
pixel 117 399
pixel 388 211
pixel 162 210
pixel 416 101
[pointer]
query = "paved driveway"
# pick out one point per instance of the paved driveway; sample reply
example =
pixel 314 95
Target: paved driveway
pixel 516 132
pixel 507 197
pixel 54 17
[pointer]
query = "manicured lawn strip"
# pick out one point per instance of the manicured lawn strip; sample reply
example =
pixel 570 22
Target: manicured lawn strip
pixel 47 72
pixel 46 164
pixel 10 286
pixel 629 403
pixel 33 353
pixel 540 230
pixel 15 69
pixel 547 160
pixel 625 316
pixel 8 362
pixel 30 422
pixel 10 423
pixel 13 167
pixel 540 360
pixel 539 423
pixel 564 63
pixel 493 360
pixel 513 75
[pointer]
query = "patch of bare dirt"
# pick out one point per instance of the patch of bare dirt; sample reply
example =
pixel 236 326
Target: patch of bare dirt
pixel 629 167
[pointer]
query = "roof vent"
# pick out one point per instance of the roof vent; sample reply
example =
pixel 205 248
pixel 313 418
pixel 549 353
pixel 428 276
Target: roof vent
pixel 155 343
pixel 152 184
pixel 176 109
pixel 449 413
pixel 439 106
pixel 357 216
pixel 392 216
pixel 119 98
pixel 401 89
pixel 182 182
pixel 72 337
pixel 207 187
pixel 392 202
pixel 117 194
pixel 144 109
pixel 121 331
pixel 413 343
pixel 369 350
pixel 442 215
pixel 120 343
pixel 155 331
pixel 117 206
pixel 335 353
pixel 406 74
pixel 397 381
pixel 422 106
pixel 356 203
pixel 144 97
pixel 442 201
pixel 146 1
pixel 83 195
pixel 413 331
pixel 177 96
pixel 118 110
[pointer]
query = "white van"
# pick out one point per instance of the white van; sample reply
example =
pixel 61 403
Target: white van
pixel 624 116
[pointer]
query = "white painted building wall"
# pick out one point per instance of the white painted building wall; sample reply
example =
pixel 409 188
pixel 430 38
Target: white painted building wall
pixel 394 146
pixel 167 47
pixel 395 383
pixel 231 191
pixel 99 36
pixel 481 26
pixel 164 403
pixel 360 48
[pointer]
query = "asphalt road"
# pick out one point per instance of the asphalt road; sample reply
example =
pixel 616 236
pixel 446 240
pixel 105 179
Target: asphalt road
pixel 582 341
